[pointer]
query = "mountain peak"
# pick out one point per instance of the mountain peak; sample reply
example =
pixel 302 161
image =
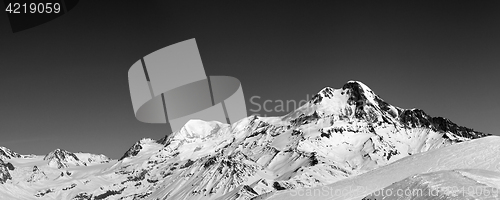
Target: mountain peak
pixel 61 158
pixel 355 91
pixel 196 128
pixel 326 92
pixel 359 84
pixel 138 146
pixel 354 99
pixel 59 153
pixel 6 153
pixel 359 92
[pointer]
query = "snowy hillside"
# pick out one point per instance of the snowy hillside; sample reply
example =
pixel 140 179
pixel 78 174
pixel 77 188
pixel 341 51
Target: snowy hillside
pixel 33 177
pixel 448 184
pixel 483 153
pixel 339 133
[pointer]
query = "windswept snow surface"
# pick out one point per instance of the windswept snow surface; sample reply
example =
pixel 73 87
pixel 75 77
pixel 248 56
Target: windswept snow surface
pixel 442 185
pixel 483 153
pixel 339 133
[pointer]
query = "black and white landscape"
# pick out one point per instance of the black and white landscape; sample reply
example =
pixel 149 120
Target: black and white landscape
pixel 341 140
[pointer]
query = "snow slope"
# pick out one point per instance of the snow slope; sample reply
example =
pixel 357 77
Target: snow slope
pixel 483 153
pixel 44 177
pixel 448 184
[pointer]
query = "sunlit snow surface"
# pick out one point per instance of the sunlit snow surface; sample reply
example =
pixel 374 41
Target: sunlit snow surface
pixel 33 176
pixel 449 184
pixel 334 139
pixel 483 153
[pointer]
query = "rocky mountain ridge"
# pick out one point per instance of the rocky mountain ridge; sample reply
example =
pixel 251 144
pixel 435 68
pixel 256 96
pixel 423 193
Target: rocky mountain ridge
pixel 339 133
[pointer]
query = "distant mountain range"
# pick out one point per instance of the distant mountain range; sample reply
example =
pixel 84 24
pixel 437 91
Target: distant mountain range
pixel 339 135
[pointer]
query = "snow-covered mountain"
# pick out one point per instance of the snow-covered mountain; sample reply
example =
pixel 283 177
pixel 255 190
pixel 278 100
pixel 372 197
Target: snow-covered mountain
pixel 60 158
pixel 8 154
pixel 339 133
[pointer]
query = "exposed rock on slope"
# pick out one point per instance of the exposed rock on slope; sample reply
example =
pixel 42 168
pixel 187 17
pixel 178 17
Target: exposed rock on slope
pixel 60 158
pixel 8 154
pixel 482 153
pixel 4 171
pixel 338 134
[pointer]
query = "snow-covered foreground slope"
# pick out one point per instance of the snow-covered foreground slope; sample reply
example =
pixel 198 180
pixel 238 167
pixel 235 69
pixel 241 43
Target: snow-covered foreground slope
pixel 483 153
pixel 460 184
pixel 339 133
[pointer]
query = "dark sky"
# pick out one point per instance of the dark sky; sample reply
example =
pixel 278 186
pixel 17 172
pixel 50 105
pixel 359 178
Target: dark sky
pixel 64 84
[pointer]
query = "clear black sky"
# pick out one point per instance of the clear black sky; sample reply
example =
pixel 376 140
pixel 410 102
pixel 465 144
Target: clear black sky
pixel 64 84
